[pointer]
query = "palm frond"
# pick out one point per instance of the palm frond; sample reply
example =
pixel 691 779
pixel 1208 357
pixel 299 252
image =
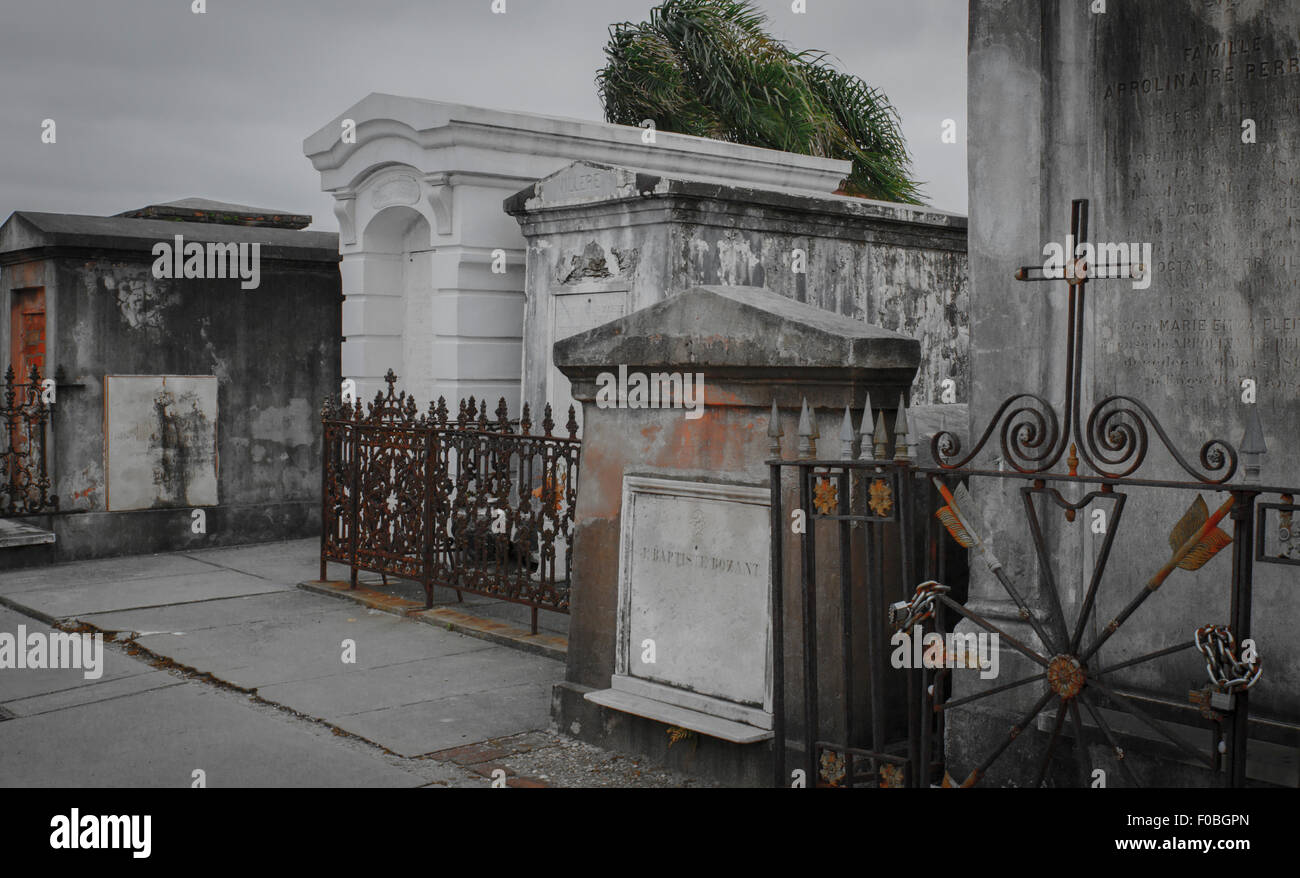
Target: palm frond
pixel 710 68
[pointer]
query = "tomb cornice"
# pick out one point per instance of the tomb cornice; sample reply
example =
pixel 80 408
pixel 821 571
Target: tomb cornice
pixel 569 199
pixel 691 210
pixel 749 343
pixel 64 235
pixel 440 136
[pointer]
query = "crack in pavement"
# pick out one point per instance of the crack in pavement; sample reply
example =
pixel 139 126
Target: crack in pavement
pixel 84 685
pixel 80 704
pixel 126 641
pixel 162 662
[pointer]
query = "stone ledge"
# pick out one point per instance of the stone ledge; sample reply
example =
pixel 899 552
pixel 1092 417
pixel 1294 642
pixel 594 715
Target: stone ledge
pixel 16 533
pixel 551 646
pixel 714 727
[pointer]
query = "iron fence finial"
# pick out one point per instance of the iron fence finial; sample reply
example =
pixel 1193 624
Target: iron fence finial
pixel 774 432
pixel 846 436
pixel 865 450
pixel 806 434
pixel 901 449
pixel 880 445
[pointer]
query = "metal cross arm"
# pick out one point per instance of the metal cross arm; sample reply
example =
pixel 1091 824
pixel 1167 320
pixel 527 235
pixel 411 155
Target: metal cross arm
pixel 1082 271
pixel 1079 261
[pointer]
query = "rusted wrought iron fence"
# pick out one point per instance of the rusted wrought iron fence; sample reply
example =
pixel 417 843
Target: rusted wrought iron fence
pixel 469 502
pixel 1067 469
pixel 872 502
pixel 25 489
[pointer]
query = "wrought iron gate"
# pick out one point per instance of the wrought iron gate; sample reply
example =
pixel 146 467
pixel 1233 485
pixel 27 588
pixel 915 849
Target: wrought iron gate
pixel 863 505
pixel 25 489
pixel 468 502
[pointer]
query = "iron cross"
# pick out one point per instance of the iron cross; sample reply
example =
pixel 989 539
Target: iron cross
pixel 1078 264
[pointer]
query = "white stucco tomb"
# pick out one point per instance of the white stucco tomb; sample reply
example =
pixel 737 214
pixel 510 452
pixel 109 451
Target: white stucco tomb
pixel 419 187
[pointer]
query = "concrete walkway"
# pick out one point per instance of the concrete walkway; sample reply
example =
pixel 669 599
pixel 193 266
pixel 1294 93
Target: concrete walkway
pixel 218 662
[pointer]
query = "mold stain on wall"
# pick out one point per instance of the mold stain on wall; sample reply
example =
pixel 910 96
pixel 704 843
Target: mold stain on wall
pixel 182 440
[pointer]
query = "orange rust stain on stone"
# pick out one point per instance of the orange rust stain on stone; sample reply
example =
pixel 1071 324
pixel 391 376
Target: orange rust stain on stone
pixel 30 274
pixel 652 432
pixel 713 396
pixel 601 491
pixel 710 442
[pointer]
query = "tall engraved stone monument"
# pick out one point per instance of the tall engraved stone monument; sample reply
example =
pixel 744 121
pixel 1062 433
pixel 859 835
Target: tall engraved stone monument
pixel 1178 120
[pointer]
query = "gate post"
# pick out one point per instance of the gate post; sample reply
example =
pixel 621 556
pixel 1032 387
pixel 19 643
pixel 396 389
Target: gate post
pixel 1243 542
pixel 354 501
pixel 778 608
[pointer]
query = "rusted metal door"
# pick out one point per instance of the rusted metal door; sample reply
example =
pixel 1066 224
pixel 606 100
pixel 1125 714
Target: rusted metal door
pixel 27 332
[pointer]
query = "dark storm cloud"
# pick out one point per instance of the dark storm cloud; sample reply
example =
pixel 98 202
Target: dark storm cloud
pixel 154 103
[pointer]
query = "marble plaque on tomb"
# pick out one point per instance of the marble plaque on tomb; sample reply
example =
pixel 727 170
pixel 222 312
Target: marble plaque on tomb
pixel 582 183
pixel 693 619
pixel 161 436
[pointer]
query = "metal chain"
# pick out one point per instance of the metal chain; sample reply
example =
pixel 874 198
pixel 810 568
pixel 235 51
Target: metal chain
pixel 1227 672
pixel 905 614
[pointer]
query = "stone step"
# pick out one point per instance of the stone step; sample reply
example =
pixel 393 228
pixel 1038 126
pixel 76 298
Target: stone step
pixel 705 724
pixel 16 533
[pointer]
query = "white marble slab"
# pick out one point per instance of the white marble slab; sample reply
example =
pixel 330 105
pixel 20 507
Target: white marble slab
pixel 694 620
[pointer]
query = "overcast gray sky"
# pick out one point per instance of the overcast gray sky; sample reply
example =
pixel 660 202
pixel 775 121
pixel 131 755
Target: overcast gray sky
pixel 154 103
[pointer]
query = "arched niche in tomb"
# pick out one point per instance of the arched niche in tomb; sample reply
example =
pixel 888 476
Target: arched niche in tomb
pixel 398 297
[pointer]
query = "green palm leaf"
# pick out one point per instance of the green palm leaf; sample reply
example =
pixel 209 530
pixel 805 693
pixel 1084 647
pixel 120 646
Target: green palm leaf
pixel 709 68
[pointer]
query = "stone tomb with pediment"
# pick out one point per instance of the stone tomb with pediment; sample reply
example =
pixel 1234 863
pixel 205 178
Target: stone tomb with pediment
pixel 671 589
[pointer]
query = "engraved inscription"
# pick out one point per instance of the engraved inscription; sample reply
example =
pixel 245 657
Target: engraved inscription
pixel 1223 216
